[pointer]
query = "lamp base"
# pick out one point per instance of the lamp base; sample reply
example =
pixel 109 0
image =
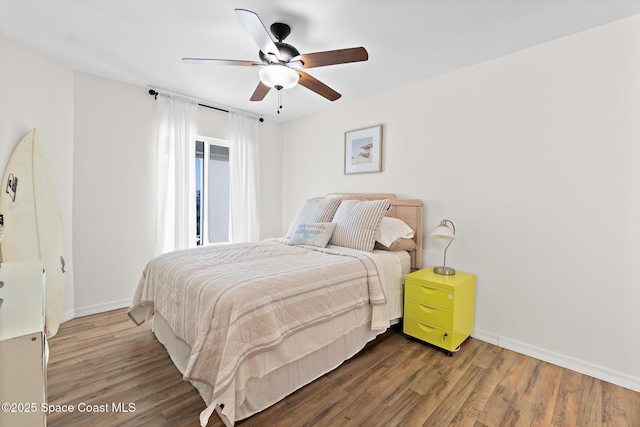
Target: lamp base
pixel 445 271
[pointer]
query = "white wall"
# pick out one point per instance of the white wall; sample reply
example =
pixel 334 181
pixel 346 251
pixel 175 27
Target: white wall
pixel 38 93
pixel 533 157
pixel 114 191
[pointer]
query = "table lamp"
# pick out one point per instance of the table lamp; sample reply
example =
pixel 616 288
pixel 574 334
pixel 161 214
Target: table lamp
pixel 449 233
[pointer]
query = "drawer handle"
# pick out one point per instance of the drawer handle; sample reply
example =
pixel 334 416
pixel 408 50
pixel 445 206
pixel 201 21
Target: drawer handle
pixel 428 310
pixel 428 290
pixel 426 328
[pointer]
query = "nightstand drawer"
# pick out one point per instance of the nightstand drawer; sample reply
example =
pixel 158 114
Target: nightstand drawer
pixel 429 294
pixel 432 334
pixel 429 314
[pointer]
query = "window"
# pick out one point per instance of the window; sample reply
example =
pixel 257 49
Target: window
pixel 212 190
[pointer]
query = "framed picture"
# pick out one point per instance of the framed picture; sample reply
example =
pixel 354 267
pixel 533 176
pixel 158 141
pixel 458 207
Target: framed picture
pixel 363 150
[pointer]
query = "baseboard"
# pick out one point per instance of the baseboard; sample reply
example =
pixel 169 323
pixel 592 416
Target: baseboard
pixel 67 315
pixel 587 368
pixel 101 308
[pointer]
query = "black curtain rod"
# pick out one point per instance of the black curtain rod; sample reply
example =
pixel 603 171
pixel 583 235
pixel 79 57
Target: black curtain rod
pixel 155 95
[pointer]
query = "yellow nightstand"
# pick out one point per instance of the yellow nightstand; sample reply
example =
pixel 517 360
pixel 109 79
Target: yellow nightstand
pixel 439 309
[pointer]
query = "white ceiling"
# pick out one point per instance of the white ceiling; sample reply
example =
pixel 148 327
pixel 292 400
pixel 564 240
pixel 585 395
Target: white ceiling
pixel 142 41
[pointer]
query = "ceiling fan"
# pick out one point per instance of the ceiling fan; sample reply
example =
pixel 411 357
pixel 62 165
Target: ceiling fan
pixel 280 63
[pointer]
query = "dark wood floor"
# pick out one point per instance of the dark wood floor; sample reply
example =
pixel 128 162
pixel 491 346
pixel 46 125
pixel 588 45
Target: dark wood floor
pixel 104 359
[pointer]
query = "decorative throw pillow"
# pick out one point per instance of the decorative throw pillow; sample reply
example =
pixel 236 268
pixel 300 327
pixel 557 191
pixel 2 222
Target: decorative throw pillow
pixel 392 229
pixel 357 222
pixel 399 245
pixel 314 234
pixel 315 210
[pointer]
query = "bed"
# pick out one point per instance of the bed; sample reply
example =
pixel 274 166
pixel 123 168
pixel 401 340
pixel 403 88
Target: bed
pixel 248 324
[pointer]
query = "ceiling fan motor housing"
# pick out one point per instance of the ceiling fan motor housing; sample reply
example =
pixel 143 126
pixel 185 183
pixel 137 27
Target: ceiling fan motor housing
pixel 286 53
pixel 280 31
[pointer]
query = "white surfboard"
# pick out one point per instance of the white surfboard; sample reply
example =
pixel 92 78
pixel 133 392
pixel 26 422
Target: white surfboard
pixel 31 218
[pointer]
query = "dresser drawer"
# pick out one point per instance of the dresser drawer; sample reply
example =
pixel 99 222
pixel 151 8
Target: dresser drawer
pixel 427 333
pixel 432 334
pixel 429 294
pixel 429 314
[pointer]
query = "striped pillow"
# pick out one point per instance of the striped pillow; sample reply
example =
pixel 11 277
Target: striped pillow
pixel 357 223
pixel 315 210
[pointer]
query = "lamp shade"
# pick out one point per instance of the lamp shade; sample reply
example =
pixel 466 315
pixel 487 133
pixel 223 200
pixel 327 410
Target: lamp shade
pixel 278 75
pixel 443 232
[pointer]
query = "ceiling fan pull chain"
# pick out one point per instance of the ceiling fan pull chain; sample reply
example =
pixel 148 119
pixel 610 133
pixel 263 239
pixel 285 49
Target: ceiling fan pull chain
pixel 279 88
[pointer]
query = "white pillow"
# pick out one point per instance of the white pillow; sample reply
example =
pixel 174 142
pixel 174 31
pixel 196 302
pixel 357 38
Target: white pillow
pixel 357 223
pixel 314 234
pixel 392 229
pixel 399 245
pixel 315 210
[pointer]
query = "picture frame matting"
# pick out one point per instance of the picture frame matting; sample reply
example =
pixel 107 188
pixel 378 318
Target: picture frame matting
pixel 363 150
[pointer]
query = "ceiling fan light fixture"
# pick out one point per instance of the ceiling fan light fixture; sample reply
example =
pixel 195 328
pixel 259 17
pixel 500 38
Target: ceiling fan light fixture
pixel 278 75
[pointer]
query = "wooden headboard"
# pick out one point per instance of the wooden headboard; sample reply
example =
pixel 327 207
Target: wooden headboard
pixel 408 210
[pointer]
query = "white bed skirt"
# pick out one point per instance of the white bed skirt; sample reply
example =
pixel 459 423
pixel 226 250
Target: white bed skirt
pixel 268 377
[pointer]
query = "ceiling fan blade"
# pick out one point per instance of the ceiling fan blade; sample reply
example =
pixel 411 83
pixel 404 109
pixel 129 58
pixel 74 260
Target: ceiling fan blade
pixel 259 33
pixel 332 57
pixel 221 62
pixel 317 86
pixel 260 92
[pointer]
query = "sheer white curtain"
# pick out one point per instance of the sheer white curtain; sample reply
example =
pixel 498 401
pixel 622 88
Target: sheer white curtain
pixel 244 170
pixel 176 216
